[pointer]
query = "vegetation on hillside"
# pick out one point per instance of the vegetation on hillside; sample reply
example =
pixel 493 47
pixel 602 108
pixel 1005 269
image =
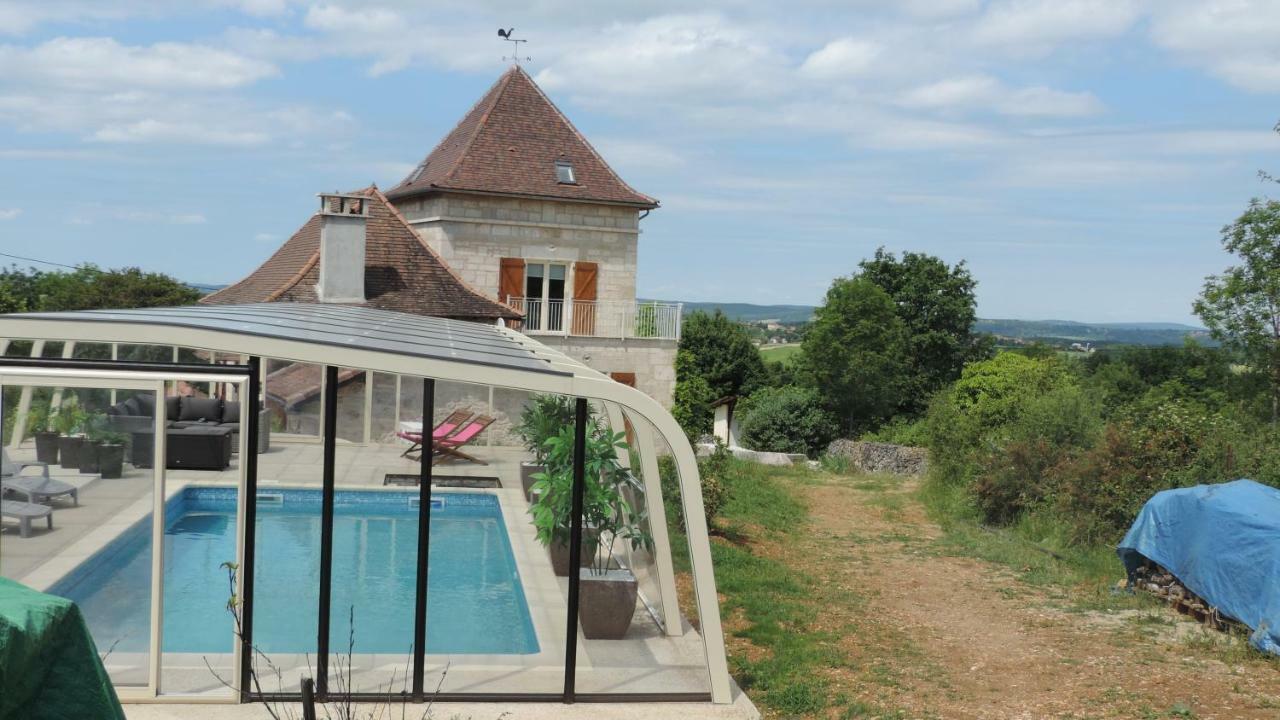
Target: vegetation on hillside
pixel 89 287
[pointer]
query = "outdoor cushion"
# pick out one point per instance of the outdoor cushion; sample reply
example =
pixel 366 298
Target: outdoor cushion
pixel 146 404
pixel 209 409
pixel 172 406
pixel 130 407
pixel 231 412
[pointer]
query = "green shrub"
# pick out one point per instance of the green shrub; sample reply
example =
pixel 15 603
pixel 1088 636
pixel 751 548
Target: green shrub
pixel 789 419
pixel 713 473
pixel 900 431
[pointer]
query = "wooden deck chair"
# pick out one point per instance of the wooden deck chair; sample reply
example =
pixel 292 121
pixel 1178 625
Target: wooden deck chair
pixel 446 427
pixel 448 448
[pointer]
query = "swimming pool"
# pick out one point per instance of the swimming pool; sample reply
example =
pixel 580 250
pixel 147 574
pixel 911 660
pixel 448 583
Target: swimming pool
pixel 475 601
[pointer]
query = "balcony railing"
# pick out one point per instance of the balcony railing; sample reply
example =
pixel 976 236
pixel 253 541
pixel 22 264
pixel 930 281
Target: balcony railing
pixel 599 318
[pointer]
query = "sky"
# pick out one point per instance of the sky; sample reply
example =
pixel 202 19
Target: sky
pixel 1081 156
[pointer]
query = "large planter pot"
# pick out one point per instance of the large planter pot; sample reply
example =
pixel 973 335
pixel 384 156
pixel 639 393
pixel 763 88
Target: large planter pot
pixel 47 447
pixel 527 471
pixel 606 603
pixel 560 553
pixel 89 458
pixel 111 460
pixel 69 451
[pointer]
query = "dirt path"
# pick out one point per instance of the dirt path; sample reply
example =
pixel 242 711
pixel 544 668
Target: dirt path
pixel 933 635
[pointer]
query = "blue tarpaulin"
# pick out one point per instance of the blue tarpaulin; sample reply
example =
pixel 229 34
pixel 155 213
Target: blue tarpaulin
pixel 1223 543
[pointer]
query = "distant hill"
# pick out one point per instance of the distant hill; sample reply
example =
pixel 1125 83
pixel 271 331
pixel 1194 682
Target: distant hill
pixel 204 288
pixel 746 312
pixel 1048 331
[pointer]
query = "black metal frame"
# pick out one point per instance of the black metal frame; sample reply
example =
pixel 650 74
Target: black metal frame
pixel 425 459
pixel 250 460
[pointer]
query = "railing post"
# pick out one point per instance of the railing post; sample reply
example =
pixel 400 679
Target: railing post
pixel 679 318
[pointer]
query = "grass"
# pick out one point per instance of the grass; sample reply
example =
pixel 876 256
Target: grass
pixel 785 354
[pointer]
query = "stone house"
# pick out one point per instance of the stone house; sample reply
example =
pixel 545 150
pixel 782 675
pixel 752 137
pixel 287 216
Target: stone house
pixel 513 217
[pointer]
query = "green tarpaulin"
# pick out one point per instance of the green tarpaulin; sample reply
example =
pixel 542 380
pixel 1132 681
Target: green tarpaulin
pixel 49 667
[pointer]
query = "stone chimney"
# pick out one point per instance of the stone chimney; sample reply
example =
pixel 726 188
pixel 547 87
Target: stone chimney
pixel 342 240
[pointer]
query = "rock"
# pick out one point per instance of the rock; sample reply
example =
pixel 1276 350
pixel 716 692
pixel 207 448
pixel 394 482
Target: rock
pixel 882 457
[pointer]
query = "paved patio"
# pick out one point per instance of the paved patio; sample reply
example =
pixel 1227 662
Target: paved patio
pixel 647 661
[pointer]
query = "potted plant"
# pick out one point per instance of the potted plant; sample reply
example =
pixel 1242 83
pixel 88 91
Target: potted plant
pixel 46 439
pixel 543 417
pixel 69 422
pixel 552 504
pixel 110 451
pixel 608 590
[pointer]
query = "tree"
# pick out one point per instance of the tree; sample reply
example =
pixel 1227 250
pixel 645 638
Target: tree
pixel 691 404
pixel 1241 307
pixel 88 287
pixel 854 353
pixel 721 353
pixel 936 304
pixel 786 419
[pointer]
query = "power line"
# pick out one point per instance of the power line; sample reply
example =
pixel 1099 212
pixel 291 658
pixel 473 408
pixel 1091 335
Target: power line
pixel 37 260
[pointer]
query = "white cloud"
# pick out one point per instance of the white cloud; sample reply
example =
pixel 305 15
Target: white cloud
pixel 983 92
pixel 104 64
pixel 153 130
pixel 9 213
pixel 265 237
pixel 1044 24
pixel 1236 40
pixel 842 57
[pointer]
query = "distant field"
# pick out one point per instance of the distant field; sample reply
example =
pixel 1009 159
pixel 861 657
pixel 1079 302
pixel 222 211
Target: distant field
pixel 784 354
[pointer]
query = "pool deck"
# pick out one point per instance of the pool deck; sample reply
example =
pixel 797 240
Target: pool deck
pixel 647 661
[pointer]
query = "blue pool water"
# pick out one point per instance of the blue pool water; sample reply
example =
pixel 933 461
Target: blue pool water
pixel 475 602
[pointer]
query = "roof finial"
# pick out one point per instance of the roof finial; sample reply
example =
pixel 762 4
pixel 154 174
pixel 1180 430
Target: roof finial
pixel 515 50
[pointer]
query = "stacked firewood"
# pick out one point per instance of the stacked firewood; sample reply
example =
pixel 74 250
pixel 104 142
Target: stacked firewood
pixel 1154 579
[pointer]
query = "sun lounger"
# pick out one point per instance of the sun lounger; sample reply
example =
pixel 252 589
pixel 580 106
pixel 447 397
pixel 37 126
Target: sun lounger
pixel 441 431
pixel 24 513
pixel 40 489
pixel 36 488
pixel 447 448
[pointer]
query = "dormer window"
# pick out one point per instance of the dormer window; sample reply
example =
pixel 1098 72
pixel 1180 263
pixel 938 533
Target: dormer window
pixel 417 172
pixel 564 173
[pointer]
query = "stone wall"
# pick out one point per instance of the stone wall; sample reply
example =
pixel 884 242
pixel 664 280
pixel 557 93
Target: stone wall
pixel 472 232
pixel 882 457
pixel 652 360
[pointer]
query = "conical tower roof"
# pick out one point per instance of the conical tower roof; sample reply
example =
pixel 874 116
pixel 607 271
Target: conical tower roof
pixel 511 143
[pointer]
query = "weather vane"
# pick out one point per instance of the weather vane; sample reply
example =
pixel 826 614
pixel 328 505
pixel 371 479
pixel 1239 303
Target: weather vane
pixel 515 46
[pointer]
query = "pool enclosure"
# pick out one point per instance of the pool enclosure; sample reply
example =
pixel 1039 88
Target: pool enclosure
pixel 256 503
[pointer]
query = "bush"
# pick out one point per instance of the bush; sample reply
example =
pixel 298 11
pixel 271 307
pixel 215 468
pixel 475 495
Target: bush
pixel 789 419
pixel 900 431
pixel 713 472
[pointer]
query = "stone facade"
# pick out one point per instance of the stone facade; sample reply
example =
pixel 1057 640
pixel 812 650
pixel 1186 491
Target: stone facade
pixel 653 361
pixel 471 233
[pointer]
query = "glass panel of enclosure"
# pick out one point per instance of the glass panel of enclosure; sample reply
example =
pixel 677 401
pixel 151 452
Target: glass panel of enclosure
pixel 293 395
pixel 204 450
pixel 375 541
pixel 352 389
pixel 638 634
pixel 498 595
pixel 87 535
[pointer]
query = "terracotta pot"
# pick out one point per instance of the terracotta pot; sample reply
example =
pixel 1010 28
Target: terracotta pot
pixel 560 553
pixel 69 451
pixel 606 603
pixel 527 471
pixel 47 447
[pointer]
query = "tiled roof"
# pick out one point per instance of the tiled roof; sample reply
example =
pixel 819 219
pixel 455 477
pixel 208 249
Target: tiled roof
pixel 401 272
pixel 296 383
pixel 509 143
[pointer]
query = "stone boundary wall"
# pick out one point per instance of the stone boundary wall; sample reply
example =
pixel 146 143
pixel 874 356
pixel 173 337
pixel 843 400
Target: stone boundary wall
pixel 881 457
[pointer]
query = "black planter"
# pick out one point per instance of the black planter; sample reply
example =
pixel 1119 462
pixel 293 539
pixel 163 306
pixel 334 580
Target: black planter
pixel 69 451
pixel 89 458
pixel 47 447
pixel 111 460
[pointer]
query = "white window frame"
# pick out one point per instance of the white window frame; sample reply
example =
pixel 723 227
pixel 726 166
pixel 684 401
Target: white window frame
pixel 544 302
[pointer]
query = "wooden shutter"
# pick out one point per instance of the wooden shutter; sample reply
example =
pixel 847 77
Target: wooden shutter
pixel 584 298
pixel 628 379
pixel 510 280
